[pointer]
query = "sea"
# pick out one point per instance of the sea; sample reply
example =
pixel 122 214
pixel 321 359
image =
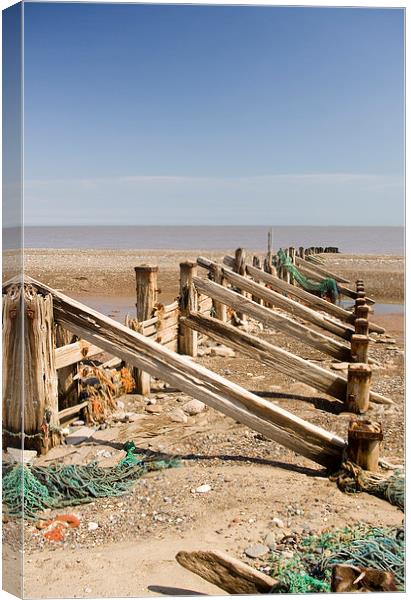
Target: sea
pixel 350 240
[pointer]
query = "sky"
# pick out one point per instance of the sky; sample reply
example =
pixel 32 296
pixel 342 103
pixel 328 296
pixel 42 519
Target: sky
pixel 139 114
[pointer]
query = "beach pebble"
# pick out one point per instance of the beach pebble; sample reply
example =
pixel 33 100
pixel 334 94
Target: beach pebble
pixel 269 540
pixel 178 416
pixel 256 550
pixel 203 489
pixel 222 351
pixel 277 522
pixel 339 366
pixel 92 526
pixel 194 407
pixel 154 409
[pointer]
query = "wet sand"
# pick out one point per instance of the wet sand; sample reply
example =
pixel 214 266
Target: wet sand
pixel 110 273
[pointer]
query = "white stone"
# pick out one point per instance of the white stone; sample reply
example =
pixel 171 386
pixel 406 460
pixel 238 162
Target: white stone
pixel 178 416
pixel 92 526
pixel 194 407
pixel 222 351
pixel 79 436
pixel 203 489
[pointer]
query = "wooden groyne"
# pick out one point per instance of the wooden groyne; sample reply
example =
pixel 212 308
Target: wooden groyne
pixel 60 333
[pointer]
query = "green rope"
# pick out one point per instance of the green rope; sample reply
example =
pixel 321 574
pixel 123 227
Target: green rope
pixel 28 489
pixel 370 547
pixel 352 480
pixel 326 288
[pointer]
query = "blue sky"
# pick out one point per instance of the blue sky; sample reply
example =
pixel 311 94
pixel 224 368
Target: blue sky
pixel 231 115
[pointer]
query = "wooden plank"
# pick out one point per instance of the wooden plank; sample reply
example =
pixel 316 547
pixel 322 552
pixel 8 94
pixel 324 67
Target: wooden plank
pixel 270 318
pixel 72 410
pixel 164 323
pixel 320 270
pixel 296 292
pixel 73 353
pixel 287 304
pixel 230 574
pixel 332 384
pixel 195 380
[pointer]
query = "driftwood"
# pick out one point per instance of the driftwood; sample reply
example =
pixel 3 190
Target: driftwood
pixel 270 318
pixel 234 401
pixel 316 302
pixel 230 574
pixel 332 384
pixel 350 578
pixel 287 304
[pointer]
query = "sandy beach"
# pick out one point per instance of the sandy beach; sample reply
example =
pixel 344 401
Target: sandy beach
pixel 252 479
pixel 108 273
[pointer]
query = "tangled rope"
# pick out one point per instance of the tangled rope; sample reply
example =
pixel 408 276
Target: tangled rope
pixel 29 489
pixel 327 288
pixel 352 479
pixel 370 547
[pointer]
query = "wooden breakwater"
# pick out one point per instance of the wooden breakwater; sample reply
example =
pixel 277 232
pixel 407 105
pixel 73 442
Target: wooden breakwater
pixel 157 342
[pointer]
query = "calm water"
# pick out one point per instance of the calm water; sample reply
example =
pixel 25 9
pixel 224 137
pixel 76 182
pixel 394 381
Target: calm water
pixel 361 240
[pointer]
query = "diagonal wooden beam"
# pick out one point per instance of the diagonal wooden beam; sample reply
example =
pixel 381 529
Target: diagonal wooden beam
pixel 291 306
pixel 234 401
pixel 290 364
pixel 273 319
pixel 316 302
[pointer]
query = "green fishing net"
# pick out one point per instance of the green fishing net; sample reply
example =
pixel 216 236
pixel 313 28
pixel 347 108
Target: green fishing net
pixel 29 489
pixel 327 288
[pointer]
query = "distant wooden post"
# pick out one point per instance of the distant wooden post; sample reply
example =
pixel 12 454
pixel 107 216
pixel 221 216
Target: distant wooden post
pixel 364 439
pixel 257 265
pixel 146 295
pixel 188 339
pixel 30 397
pixel 219 307
pixel 358 388
pixel 240 268
pixel 270 250
pixel 359 348
pixel 301 253
pixel 292 253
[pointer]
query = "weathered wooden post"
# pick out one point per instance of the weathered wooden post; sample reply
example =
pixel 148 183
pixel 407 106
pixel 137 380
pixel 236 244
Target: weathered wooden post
pixel 364 439
pixel 358 388
pixel 361 326
pixel 301 252
pixel 359 302
pixel 146 296
pixel 187 338
pixel 285 271
pixel 67 385
pixel 30 398
pixel 240 258
pixel 291 253
pixel 219 308
pixel 257 265
pixel 359 348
